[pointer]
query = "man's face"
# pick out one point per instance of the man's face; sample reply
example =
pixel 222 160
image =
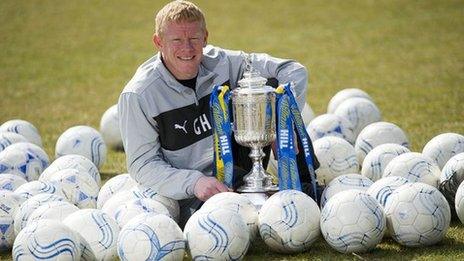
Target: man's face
pixel 181 46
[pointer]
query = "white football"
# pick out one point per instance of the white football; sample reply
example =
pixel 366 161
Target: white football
pixel 378 133
pixel 459 202
pixel 360 112
pixel 78 187
pixel 151 237
pixel 53 210
pixel 28 206
pixel 72 161
pixel 307 114
pixel 330 125
pixel 109 128
pixel 444 146
pixel 345 94
pixel 84 141
pixel 11 181
pixel 377 159
pixel 218 234
pixel 147 192
pixel 415 167
pixel 382 188
pixel 30 189
pixel 342 183
pixel 12 194
pixel 46 240
pixel 23 159
pixel 352 222
pixel 289 221
pixel 114 185
pixel 132 208
pixel 23 128
pixel 417 215
pixel 98 229
pixel 8 138
pixel 9 204
pixel 452 175
pixel 237 203
pixel 336 157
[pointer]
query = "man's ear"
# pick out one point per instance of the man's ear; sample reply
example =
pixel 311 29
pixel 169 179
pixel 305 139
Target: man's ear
pixel 157 41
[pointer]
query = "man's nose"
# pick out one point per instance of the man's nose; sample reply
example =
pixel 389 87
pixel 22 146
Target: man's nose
pixel 188 45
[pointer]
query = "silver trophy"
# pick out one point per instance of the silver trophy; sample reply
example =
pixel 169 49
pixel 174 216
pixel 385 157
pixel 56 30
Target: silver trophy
pixel 253 106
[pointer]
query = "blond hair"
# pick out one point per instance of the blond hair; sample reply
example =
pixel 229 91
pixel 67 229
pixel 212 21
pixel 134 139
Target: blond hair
pixel 178 11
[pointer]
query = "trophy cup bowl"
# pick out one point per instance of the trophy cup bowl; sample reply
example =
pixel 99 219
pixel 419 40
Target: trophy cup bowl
pixel 253 107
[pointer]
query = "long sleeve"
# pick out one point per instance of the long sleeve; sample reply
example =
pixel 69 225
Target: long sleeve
pixel 144 159
pixel 284 70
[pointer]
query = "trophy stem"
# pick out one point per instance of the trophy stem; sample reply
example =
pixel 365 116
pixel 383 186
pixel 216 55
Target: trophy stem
pixel 257 180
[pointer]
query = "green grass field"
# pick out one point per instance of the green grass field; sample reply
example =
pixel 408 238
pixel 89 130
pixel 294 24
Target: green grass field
pixel 63 63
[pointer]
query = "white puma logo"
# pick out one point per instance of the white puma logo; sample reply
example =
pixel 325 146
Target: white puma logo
pixel 181 127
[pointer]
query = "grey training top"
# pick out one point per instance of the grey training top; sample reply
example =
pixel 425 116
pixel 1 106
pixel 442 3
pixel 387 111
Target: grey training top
pixel 165 126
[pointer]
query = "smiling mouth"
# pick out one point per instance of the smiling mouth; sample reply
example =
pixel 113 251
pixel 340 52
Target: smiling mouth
pixel 186 58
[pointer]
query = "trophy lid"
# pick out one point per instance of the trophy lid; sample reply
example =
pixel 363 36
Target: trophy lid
pixel 252 82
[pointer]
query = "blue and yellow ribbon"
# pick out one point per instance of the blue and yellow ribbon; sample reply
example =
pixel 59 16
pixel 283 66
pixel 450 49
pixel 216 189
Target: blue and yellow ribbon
pixel 222 131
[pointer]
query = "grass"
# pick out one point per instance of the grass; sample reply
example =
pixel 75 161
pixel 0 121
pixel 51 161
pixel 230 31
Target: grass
pixel 63 63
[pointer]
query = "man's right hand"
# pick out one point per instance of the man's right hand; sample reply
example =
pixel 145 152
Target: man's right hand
pixel 206 187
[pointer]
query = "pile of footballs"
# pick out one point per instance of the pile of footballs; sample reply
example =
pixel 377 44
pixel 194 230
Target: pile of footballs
pixel 375 187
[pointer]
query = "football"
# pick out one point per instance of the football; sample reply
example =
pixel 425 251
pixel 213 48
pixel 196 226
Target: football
pixel 151 237
pixel 78 187
pixel 342 183
pixel 353 221
pixel 114 185
pixel 237 203
pixel 336 157
pixel 8 138
pixel 47 240
pixel 345 94
pixel 24 159
pixel 330 125
pixel 452 175
pixel 459 202
pixel 444 146
pixel 378 133
pixel 11 181
pixel 129 209
pixel 289 221
pixel 72 161
pixel 109 128
pixel 27 207
pixel 23 128
pixel 8 206
pixel 382 188
pixel 98 229
pixel 415 167
pixel 377 159
pixel 417 215
pixel 30 189
pixel 84 141
pixel 218 234
pixel 54 210
pixel 360 112
pixel 169 203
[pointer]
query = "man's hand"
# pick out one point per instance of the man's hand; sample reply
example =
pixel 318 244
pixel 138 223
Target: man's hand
pixel 206 187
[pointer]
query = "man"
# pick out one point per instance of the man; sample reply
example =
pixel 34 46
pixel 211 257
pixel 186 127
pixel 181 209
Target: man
pixel 164 109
